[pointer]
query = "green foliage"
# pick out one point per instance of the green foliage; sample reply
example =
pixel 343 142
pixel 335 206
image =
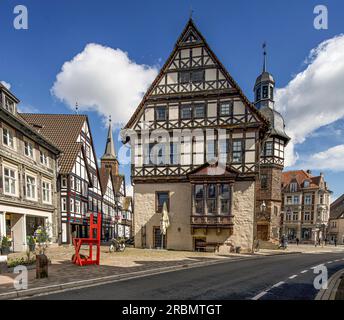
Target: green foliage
pixel 30 240
pixel 21 262
pixel 43 238
pixel 5 242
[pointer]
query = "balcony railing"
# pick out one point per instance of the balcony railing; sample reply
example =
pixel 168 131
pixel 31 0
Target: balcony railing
pixel 216 221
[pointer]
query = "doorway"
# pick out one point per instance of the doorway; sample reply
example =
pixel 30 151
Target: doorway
pixel 263 232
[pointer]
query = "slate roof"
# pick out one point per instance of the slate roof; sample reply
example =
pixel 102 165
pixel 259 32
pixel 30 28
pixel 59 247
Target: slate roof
pixel 337 208
pixel 63 130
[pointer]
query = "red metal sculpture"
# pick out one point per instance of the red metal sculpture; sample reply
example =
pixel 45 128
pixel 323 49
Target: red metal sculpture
pixel 91 241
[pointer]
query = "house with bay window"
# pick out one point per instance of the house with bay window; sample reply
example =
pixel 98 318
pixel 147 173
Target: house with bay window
pixel 28 170
pixel 195 143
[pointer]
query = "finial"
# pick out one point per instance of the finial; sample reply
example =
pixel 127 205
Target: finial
pixel 191 12
pixel 110 119
pixel 76 108
pixel 264 53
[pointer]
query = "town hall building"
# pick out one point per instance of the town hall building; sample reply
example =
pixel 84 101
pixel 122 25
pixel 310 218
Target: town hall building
pixel 196 142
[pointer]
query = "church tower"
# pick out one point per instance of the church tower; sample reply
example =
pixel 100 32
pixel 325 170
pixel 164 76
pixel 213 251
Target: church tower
pixel 268 188
pixel 109 159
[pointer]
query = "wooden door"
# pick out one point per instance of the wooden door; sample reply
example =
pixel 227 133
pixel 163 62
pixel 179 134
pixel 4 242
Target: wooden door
pixel 263 232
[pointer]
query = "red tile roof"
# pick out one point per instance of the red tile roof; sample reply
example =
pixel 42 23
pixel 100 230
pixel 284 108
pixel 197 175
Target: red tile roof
pixel 63 130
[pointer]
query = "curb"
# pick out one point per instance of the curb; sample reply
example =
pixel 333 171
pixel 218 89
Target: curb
pixel 333 284
pixel 22 294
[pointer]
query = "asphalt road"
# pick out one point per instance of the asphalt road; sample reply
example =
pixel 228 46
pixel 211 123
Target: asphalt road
pixel 265 278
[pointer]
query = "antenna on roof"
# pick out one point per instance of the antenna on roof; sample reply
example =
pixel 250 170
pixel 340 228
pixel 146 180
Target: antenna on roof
pixel 76 108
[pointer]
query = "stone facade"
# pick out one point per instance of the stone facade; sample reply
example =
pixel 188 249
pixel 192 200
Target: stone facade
pixel 305 205
pixel 28 167
pixel 269 191
pixel 179 234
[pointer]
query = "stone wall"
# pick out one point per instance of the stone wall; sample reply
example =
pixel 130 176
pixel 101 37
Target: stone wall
pixel 179 236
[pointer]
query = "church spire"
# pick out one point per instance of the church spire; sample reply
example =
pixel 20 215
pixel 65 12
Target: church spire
pixel 110 147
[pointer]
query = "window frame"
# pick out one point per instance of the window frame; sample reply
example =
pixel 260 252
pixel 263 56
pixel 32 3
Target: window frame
pixel 10 179
pixel 31 188
pixel 10 137
pixel 158 208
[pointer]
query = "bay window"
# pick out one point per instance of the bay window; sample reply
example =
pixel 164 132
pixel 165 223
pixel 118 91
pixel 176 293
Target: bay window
pixel 212 199
pixel 199 199
pixel 224 199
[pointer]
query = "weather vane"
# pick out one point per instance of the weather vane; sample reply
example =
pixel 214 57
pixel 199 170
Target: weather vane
pixel 76 108
pixel 264 53
pixel 191 11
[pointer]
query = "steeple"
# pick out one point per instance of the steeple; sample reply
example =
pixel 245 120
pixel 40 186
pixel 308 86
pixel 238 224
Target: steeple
pixel 110 147
pixel 109 160
pixel 264 86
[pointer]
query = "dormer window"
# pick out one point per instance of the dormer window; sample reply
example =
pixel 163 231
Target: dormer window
pixel 306 184
pixel 9 105
pixel 293 187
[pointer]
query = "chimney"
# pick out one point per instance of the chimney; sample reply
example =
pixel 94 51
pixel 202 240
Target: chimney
pixel 309 172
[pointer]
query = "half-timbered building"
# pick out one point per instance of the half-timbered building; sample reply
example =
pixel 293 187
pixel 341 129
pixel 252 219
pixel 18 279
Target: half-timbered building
pixel 114 193
pixel 78 177
pixel 196 142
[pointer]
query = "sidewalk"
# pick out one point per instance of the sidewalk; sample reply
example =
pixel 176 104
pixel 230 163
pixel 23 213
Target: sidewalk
pixel 132 261
pixel 335 288
pixel 302 248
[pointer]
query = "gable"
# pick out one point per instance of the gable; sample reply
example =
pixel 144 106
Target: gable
pixel 192 68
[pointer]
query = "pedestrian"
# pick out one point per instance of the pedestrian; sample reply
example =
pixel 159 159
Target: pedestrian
pixel 297 241
pixel 325 242
pixel 319 241
pixel 335 242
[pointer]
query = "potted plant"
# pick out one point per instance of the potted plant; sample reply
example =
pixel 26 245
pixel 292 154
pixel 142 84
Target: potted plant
pixel 31 243
pixel 43 240
pixel 5 245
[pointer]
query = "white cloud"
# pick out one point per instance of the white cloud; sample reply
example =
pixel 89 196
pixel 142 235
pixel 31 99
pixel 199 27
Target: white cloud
pixel 331 159
pixel 27 109
pixel 314 97
pixel 129 190
pixel 105 80
pixel 6 84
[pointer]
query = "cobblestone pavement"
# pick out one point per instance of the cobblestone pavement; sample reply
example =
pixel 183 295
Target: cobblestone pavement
pixel 132 260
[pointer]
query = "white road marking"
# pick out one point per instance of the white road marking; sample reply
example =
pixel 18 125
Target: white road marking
pixel 304 271
pixel 329 262
pixel 278 284
pixel 258 296
pixel 336 260
pixel 294 276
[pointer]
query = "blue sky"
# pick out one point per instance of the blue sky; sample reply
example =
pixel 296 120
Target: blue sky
pixel 58 30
